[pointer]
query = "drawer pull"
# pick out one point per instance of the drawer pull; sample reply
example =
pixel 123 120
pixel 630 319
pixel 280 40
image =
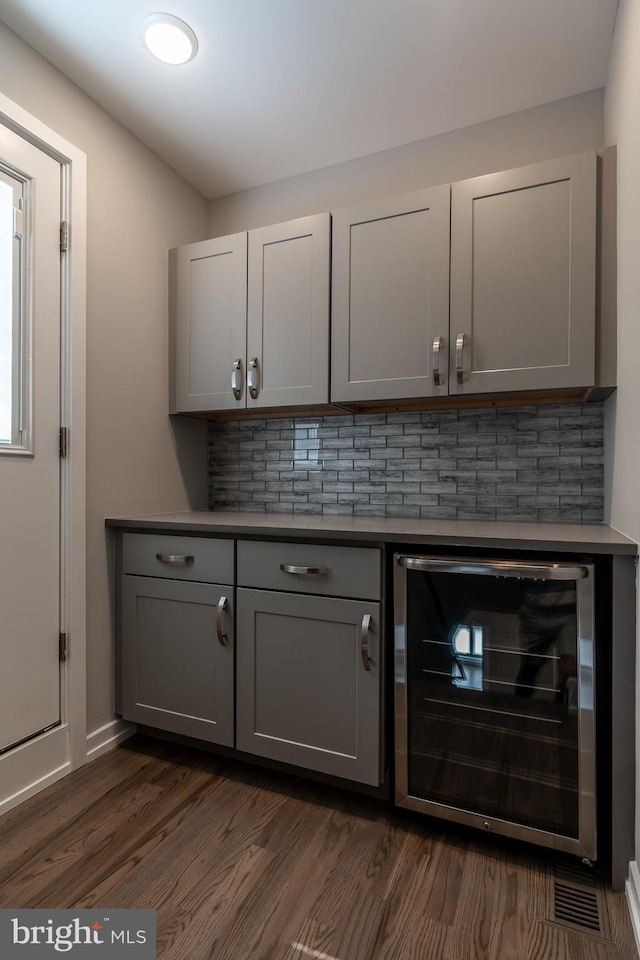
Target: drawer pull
pixel 364 641
pixel 174 558
pixel 222 606
pixel 315 571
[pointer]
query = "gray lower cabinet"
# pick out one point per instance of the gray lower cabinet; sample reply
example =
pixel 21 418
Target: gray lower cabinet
pixel 285 665
pixel 177 656
pixel 308 682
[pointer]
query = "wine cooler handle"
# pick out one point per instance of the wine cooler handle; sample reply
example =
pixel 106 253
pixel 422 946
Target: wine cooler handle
pixel 496 568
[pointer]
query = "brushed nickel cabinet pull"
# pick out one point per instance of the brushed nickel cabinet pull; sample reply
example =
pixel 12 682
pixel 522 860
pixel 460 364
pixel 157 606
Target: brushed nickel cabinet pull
pixel 253 378
pixel 437 346
pixel 174 558
pixel 236 379
pixel 460 357
pixel 222 606
pixel 315 571
pixel 364 641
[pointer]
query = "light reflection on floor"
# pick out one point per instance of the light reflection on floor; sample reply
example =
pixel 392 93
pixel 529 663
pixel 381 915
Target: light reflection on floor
pixel 317 954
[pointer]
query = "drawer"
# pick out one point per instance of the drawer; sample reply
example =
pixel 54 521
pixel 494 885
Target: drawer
pixel 201 559
pixel 310 568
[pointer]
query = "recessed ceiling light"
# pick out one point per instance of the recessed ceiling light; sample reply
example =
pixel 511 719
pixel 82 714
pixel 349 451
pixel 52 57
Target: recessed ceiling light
pixel 168 38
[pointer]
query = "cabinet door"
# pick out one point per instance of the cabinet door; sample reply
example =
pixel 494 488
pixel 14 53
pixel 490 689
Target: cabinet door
pixel 288 313
pixel 210 327
pixel 303 694
pixel 177 672
pixel 390 297
pixel 523 278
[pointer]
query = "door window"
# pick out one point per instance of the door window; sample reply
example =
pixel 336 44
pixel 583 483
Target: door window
pixel 14 346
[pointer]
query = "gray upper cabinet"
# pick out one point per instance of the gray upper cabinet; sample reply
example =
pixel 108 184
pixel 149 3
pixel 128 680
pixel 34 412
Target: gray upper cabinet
pixel 520 310
pixel 288 313
pixel 523 258
pixel 390 298
pixel 483 286
pixel 210 322
pixel 252 328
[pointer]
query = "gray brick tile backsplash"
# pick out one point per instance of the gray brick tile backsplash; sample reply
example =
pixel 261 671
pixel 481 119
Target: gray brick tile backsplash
pixel 534 463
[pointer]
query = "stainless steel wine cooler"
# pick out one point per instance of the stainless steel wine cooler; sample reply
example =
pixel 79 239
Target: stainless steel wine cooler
pixel 494 696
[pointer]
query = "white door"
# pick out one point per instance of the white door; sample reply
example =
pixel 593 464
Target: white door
pixel 30 350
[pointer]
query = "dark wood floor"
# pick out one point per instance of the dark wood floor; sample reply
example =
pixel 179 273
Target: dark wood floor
pixel 241 863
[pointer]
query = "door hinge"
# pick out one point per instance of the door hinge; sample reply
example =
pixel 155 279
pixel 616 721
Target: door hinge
pixel 64 441
pixel 64 236
pixel 62 646
pixel 18 220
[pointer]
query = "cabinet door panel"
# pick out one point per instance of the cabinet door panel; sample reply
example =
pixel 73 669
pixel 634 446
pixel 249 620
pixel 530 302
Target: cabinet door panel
pixel 210 322
pixel 176 674
pixel 288 311
pixel 390 296
pixel 523 277
pixel 303 695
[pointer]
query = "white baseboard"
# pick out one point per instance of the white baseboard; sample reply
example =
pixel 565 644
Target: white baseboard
pixel 633 899
pixel 33 766
pixel 38 763
pixel 108 737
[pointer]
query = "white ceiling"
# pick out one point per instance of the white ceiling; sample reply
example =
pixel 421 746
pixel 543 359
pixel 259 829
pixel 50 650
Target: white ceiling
pixel 280 87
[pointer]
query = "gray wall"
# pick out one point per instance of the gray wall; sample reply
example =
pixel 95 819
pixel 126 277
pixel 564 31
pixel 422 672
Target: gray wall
pixel 510 463
pixel 622 448
pixel 137 461
pixel 553 130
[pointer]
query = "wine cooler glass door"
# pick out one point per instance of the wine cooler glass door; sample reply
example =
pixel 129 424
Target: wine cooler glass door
pixel 495 698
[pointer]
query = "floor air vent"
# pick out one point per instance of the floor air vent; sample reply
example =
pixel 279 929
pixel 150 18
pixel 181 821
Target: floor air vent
pixel 578 899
